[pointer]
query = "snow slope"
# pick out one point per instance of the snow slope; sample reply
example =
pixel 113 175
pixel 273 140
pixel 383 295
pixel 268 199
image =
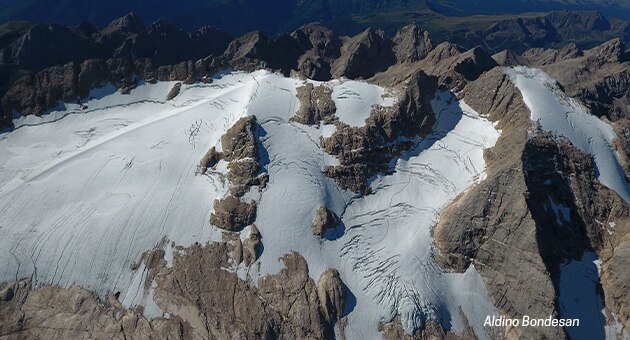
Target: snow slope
pixel 354 100
pixel 82 196
pixel 566 117
pixel 580 299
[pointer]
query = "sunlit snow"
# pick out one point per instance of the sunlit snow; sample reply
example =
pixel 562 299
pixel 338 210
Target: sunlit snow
pixel 84 193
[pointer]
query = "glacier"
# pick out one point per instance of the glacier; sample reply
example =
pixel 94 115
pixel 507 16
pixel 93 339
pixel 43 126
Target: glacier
pixel 565 116
pixel 83 193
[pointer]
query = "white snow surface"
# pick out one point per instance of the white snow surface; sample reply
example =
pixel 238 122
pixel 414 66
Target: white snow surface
pixel 579 299
pixel 84 193
pixel 566 117
pixel 354 100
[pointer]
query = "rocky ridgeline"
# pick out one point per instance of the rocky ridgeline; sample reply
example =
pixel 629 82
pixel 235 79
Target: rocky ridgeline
pixel 126 52
pixel 498 225
pixel 240 150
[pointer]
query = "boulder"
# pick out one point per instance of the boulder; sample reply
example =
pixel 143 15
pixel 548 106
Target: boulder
pixel 324 219
pixel 174 92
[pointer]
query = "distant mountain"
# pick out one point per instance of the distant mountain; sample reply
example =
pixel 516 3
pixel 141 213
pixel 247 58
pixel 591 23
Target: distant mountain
pixel 612 8
pixel 278 16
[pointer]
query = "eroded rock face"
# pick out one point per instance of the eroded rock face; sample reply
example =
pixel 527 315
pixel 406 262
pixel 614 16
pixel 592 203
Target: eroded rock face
pixel 331 293
pixel 432 330
pixel 540 56
pixel 363 55
pixel 508 220
pixel 316 105
pixel 321 47
pixel 248 51
pixel 324 219
pixel 240 140
pixel 251 246
pixel 411 44
pixel 220 305
pixel 455 69
pixel 52 312
pixel 232 214
pixel 365 151
pixel 492 223
pixel 240 150
pixel 203 301
pixel 509 58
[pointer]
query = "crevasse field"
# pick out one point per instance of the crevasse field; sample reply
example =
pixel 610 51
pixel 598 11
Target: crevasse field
pixel 83 193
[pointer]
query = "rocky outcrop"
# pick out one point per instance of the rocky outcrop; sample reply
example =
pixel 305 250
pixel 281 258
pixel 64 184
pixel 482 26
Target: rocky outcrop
pixel 202 300
pixel 220 305
pixel 541 56
pixel 600 78
pixel 324 219
pixel 365 151
pixel 240 150
pixel 509 58
pixel 239 141
pixel 52 312
pixel 455 69
pixel 432 330
pixel 509 220
pixel 363 55
pixel 38 92
pixel 243 174
pixel 491 224
pixel 252 245
pixel 331 293
pixel 248 51
pixel 320 47
pixel 316 105
pixel 411 44
pixel 232 214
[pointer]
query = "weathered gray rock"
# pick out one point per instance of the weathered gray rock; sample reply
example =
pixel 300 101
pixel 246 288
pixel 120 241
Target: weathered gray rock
pixel 174 92
pixel 240 140
pixel 332 296
pixel 411 44
pixel 232 214
pixel 316 105
pixel 252 245
pixel 363 55
pixel 324 219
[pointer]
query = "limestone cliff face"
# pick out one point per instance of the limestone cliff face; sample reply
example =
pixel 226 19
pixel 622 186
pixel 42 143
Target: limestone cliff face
pixel 504 225
pixel 491 226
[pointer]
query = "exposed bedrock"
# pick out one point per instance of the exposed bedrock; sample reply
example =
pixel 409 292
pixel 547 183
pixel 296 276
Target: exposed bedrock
pixel 541 205
pixel 363 55
pixel 367 150
pixel 316 105
pixel 491 225
pixel 240 147
pixel 324 219
pixel 202 299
